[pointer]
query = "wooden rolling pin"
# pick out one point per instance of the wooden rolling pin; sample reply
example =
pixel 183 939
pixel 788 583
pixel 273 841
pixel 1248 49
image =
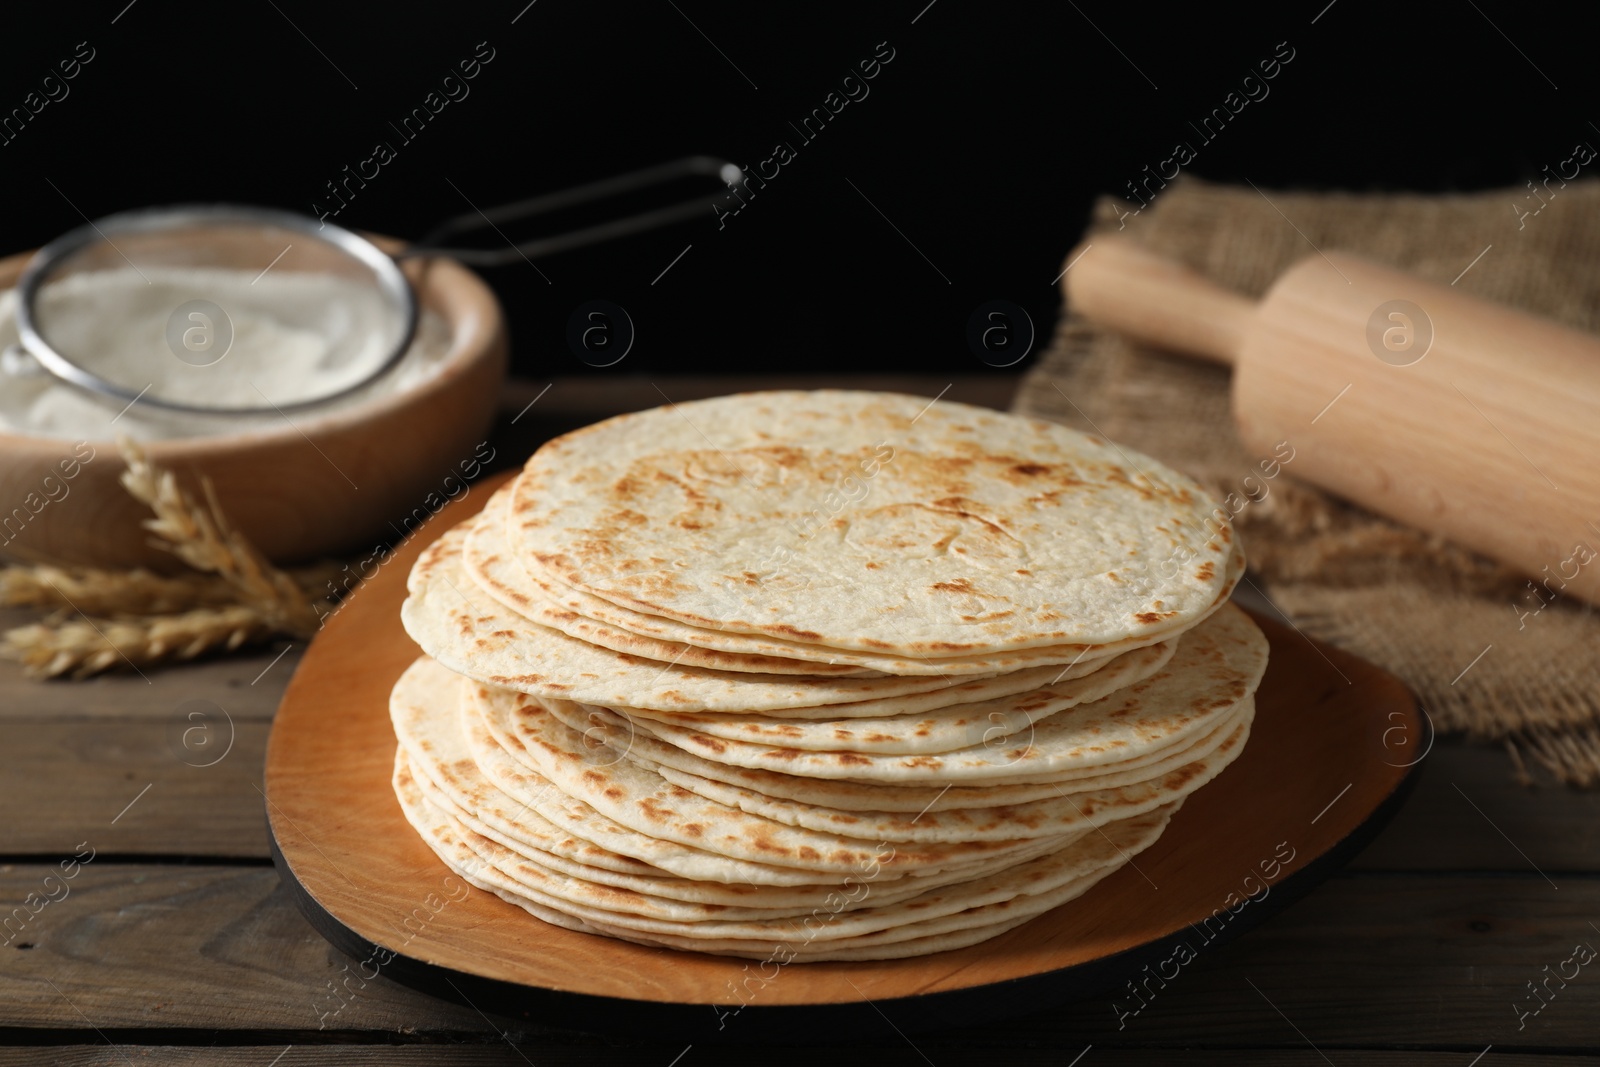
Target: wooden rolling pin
pixel 1451 414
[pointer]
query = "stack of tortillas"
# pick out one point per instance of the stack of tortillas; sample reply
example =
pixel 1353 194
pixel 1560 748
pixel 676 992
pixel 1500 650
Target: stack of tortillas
pixel 831 675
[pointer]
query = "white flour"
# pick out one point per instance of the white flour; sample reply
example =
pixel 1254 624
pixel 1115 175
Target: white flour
pixel 295 337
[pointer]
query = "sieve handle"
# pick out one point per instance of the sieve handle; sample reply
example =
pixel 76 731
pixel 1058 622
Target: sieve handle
pixel 469 222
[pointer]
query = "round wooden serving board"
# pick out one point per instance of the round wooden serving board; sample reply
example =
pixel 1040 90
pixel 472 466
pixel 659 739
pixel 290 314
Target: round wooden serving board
pixel 1334 746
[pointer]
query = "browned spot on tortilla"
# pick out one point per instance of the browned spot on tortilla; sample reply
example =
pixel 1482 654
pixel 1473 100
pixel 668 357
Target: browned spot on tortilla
pixel 1206 571
pixel 959 585
pixel 1179 777
pixel 1031 469
pixel 653 811
pixel 806 635
pixel 623 517
pixel 763 843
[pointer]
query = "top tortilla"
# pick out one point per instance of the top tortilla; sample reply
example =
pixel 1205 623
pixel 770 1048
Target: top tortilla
pixel 492 567
pixel 871 521
pixel 473 634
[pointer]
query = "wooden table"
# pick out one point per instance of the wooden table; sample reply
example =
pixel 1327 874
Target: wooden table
pixel 176 944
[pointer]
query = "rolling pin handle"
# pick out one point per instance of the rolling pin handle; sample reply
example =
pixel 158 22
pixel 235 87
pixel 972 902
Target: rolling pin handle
pixel 1156 301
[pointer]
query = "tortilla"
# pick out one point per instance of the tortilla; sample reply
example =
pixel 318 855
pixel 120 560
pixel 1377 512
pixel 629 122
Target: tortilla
pixel 988 722
pixel 871 521
pixel 1216 667
pixel 682 768
pixel 449 840
pixel 495 569
pixel 462 627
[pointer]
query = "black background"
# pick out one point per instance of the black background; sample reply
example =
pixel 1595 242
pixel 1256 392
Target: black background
pixel 983 142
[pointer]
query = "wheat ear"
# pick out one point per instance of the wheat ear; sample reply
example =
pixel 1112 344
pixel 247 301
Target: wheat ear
pixel 84 646
pixel 201 537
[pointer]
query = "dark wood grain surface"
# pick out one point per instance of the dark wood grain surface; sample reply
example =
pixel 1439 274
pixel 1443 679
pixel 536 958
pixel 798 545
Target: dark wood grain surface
pixel 177 943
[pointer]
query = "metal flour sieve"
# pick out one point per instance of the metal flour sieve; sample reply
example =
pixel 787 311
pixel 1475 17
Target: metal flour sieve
pixel 353 309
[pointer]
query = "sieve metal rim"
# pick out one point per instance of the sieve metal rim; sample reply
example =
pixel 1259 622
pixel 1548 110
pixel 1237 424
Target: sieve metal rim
pixel 391 281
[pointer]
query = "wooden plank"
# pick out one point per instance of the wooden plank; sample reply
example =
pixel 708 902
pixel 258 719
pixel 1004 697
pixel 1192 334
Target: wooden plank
pixel 182 786
pixel 546 1054
pixel 1468 813
pixel 235 682
pixel 1393 961
pixel 135 946
pixel 1385 961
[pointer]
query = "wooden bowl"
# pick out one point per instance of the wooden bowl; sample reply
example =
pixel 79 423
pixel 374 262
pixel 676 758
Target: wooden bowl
pixel 321 484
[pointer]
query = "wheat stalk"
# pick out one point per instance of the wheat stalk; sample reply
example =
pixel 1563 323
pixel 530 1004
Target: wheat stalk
pixel 94 591
pixel 101 592
pixel 201 537
pixel 84 646
pixel 137 618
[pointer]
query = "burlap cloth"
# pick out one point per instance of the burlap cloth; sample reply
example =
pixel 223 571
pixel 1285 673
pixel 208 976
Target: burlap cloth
pixel 1419 606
